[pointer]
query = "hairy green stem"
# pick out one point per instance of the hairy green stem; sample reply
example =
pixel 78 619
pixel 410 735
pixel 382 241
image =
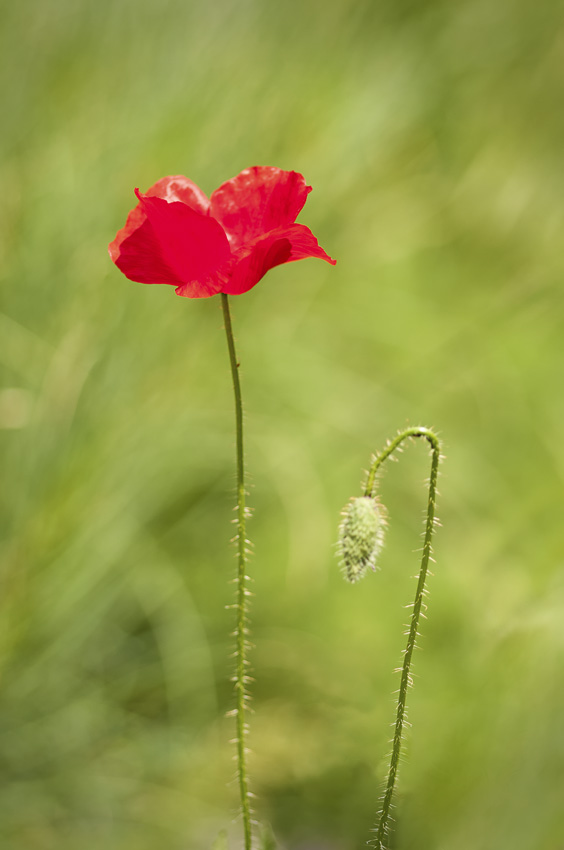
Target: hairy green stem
pixel 242 592
pixel 383 826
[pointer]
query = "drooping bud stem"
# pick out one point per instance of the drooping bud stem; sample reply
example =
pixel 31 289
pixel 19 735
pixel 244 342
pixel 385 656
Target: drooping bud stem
pixel 383 826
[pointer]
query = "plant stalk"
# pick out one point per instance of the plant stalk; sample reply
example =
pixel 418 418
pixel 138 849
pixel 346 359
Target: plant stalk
pixel 242 592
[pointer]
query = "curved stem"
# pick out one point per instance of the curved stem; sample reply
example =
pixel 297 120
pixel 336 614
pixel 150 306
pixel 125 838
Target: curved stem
pixel 242 592
pixel 384 814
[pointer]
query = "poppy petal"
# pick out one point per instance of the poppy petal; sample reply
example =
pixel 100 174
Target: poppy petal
pixel 174 188
pixel 213 284
pixel 135 220
pixel 304 244
pixel 258 200
pixel 283 245
pixel 175 245
pixel 179 188
pixel 140 257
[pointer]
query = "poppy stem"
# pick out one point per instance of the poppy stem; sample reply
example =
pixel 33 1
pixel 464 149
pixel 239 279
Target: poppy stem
pixel 383 827
pixel 241 677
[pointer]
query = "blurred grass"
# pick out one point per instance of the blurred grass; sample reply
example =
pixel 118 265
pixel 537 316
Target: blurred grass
pixel 433 136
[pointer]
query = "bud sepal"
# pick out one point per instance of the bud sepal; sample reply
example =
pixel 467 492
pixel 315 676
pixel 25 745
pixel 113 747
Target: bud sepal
pixel 361 536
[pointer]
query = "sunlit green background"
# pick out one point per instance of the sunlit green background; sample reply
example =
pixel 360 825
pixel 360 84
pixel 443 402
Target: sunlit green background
pixel 433 135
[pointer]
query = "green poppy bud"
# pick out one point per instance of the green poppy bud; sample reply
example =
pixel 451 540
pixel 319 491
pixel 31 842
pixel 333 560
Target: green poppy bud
pixel 361 535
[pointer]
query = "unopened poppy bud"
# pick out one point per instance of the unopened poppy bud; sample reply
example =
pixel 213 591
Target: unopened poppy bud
pixel 361 535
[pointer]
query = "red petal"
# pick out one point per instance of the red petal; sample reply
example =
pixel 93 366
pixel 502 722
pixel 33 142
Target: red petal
pixel 140 257
pixel 258 200
pixel 175 188
pixel 179 188
pixel 134 220
pixel 304 244
pixel 283 245
pixel 175 245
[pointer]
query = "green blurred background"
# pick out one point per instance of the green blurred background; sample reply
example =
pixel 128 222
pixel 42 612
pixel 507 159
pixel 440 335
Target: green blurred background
pixel 433 135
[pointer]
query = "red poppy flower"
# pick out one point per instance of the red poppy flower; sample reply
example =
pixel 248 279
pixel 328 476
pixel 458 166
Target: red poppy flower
pixel 175 235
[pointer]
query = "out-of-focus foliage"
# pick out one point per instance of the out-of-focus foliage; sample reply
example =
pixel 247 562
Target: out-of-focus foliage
pixel 433 134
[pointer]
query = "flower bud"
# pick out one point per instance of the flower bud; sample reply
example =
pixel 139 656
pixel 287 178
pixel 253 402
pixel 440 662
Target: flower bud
pixel 361 535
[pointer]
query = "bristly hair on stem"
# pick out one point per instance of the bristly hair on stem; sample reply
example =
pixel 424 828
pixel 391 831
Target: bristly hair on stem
pixel 241 677
pixel 359 547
